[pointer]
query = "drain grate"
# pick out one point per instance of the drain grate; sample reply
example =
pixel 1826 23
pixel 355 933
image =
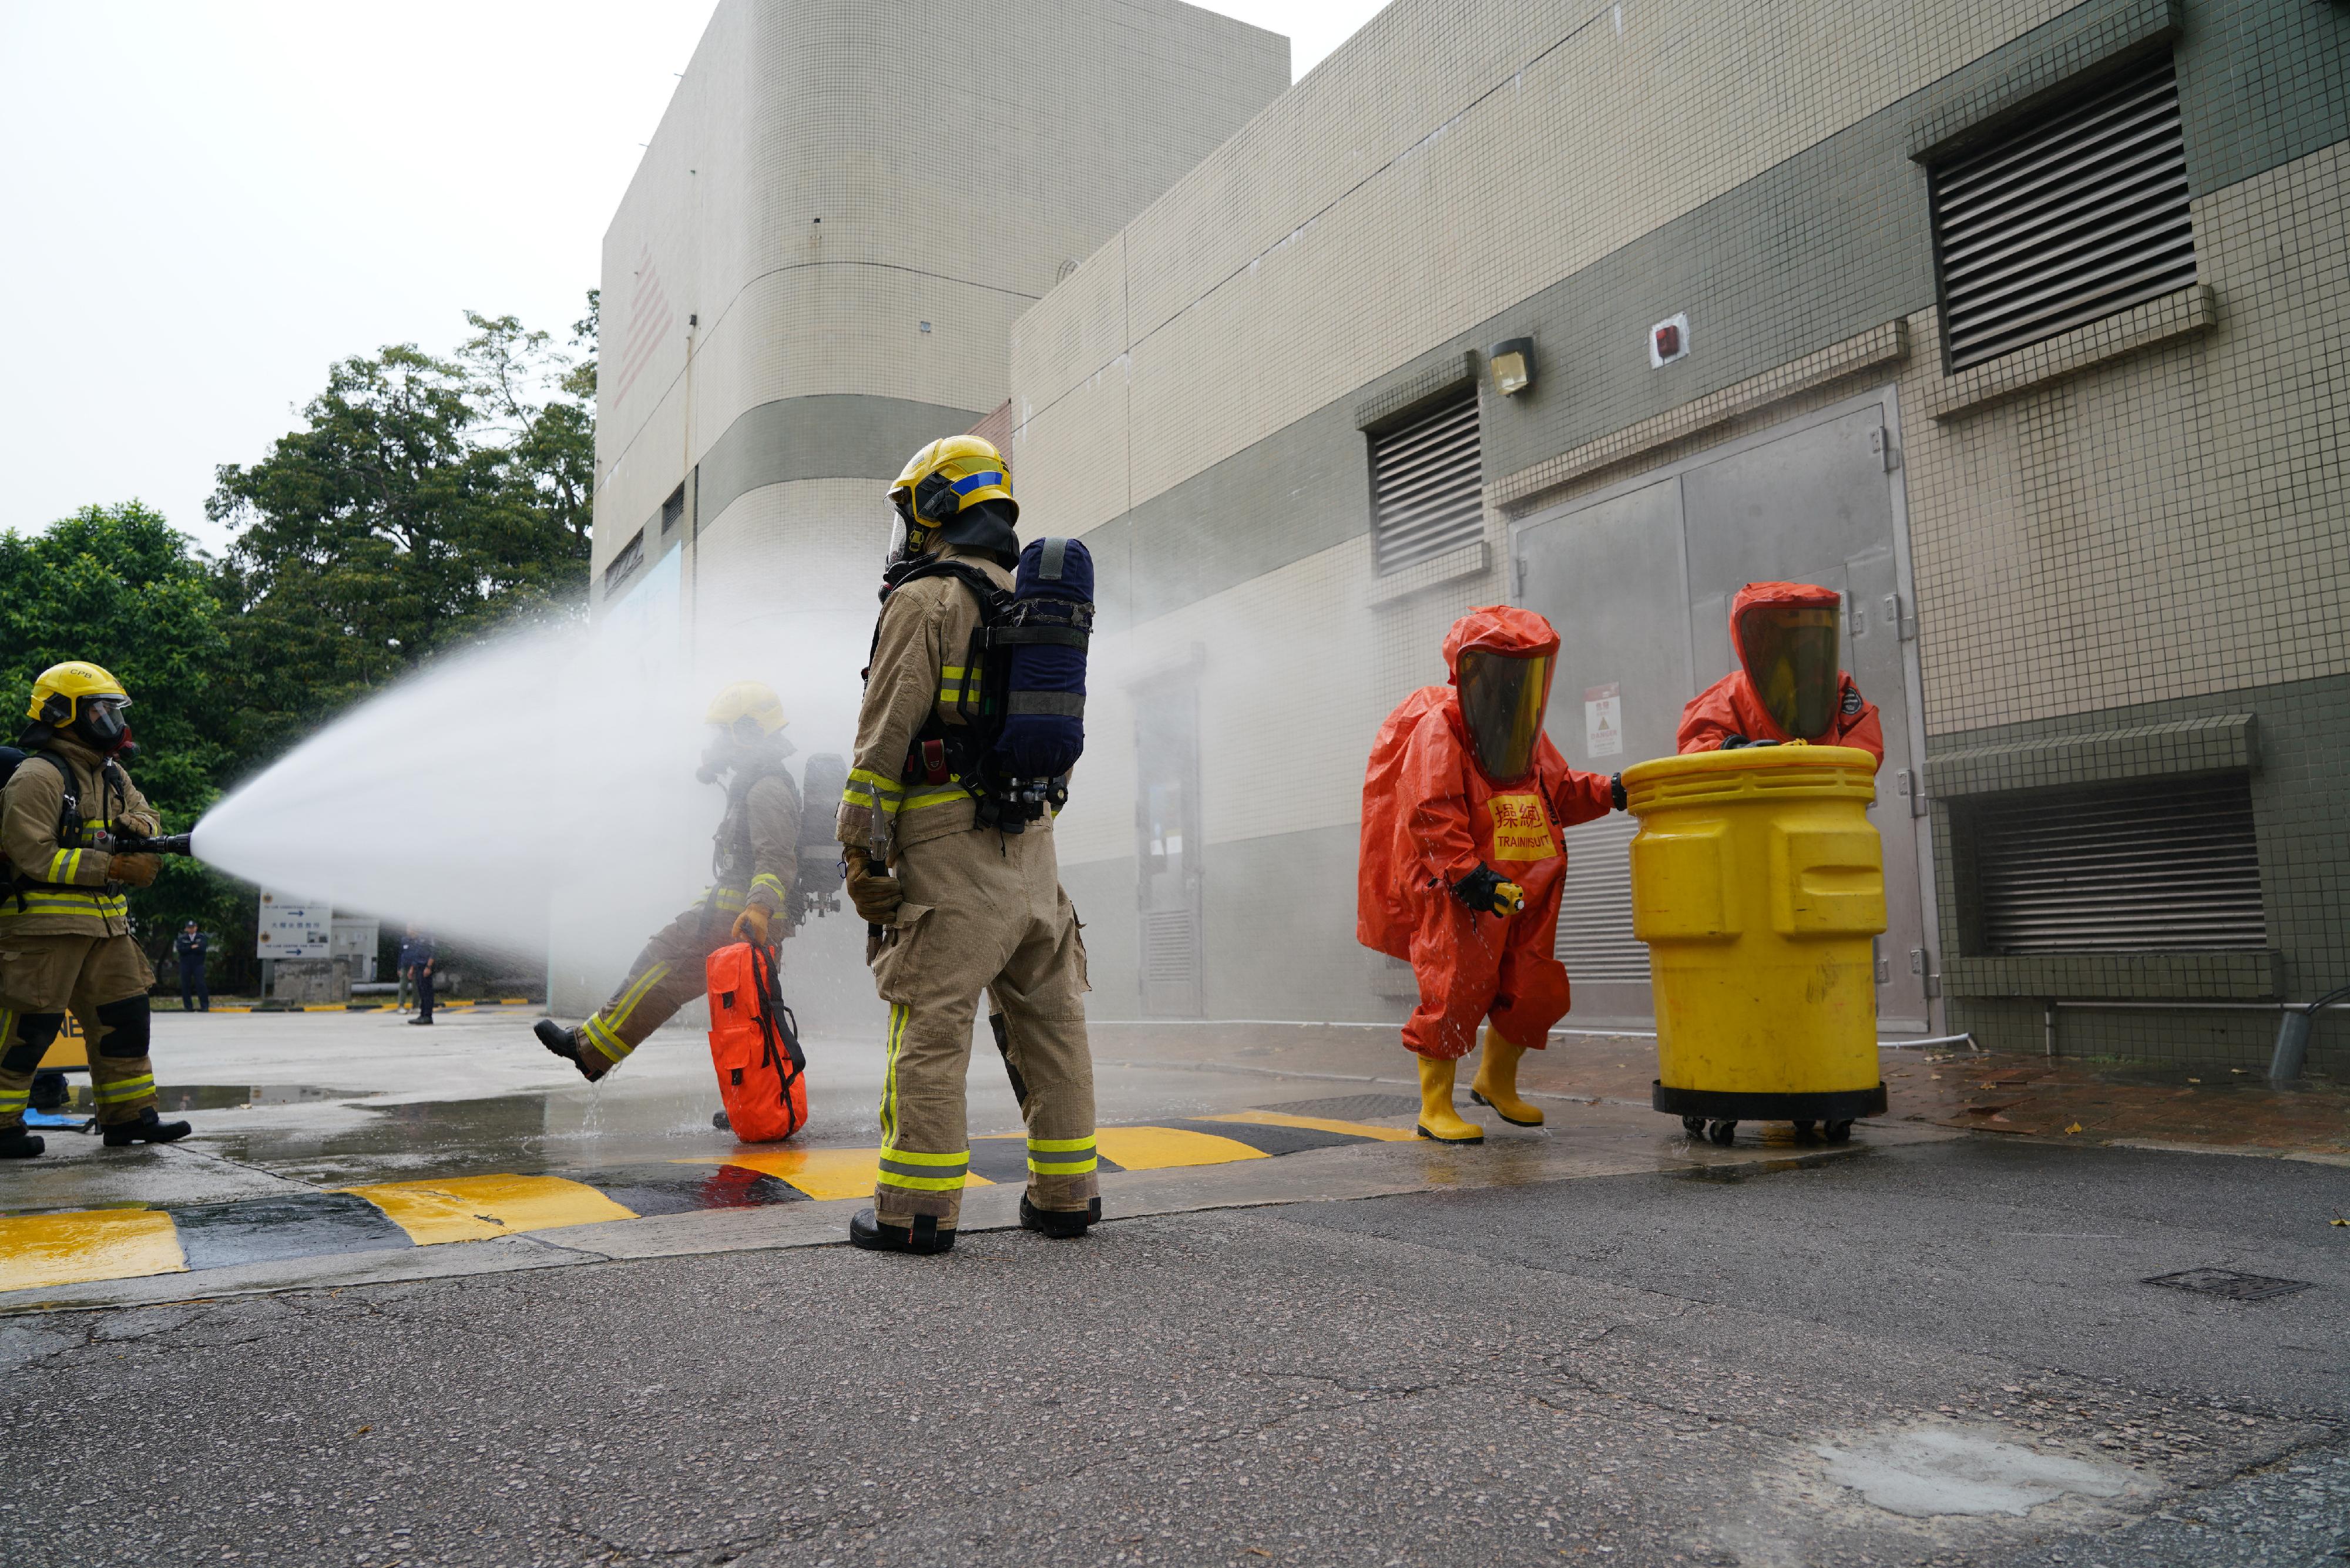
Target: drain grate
pixel 1350 1108
pixel 2228 1282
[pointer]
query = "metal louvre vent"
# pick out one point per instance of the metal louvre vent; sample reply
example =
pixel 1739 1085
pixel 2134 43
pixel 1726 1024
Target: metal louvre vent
pixel 1595 918
pixel 1427 484
pixel 631 556
pixel 2165 866
pixel 2077 217
pixel 1170 956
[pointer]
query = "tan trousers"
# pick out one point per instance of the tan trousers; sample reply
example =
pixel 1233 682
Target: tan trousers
pixel 983 912
pixel 671 972
pixel 103 982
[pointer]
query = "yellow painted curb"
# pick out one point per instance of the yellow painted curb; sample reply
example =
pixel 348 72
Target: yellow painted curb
pixel 820 1172
pixel 1313 1124
pixel 38 1249
pixel 1159 1149
pixel 474 1208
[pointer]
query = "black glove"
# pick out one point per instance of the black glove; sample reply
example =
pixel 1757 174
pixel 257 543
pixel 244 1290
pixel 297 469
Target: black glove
pixel 1488 892
pixel 1739 742
pixel 1616 795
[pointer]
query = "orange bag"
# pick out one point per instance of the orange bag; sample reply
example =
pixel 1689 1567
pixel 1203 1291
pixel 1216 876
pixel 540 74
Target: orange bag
pixel 754 1041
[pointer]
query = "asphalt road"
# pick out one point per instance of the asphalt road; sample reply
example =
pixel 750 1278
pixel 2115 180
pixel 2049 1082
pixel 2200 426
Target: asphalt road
pixel 1936 1353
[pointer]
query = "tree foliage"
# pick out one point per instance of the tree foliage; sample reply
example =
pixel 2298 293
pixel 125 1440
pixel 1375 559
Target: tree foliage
pixel 425 502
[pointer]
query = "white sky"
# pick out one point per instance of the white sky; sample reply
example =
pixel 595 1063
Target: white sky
pixel 207 203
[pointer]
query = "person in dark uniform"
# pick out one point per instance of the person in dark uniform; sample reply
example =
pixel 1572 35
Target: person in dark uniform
pixel 417 955
pixel 195 990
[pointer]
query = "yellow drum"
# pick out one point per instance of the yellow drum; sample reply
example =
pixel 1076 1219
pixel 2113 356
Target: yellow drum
pixel 1757 882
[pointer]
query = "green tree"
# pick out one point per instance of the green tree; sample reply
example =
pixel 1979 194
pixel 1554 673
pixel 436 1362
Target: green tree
pixel 426 502
pixel 119 587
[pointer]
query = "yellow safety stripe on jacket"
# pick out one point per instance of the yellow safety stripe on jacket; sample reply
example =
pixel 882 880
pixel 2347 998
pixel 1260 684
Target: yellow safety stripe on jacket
pixel 1063 1156
pixel 598 1029
pixel 103 906
pixel 123 1089
pixel 898 1014
pixel 920 1170
pixel 730 899
pixel 767 881
pixel 63 865
pixel 938 796
pixel 871 790
pixel 13 1101
pixel 957 685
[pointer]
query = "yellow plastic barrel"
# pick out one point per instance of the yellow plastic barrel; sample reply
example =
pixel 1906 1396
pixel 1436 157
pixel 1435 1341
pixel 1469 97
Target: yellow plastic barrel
pixel 1757 882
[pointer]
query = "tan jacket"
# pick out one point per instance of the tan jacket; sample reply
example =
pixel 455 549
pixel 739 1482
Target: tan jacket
pixel 918 669
pixel 766 823
pixel 82 902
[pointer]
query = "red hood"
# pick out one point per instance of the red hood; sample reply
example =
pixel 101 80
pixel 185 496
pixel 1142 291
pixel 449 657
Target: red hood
pixel 1504 628
pixel 1811 596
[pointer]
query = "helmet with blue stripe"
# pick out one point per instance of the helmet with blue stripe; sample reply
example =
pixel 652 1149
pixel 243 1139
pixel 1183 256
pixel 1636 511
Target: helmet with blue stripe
pixel 956 490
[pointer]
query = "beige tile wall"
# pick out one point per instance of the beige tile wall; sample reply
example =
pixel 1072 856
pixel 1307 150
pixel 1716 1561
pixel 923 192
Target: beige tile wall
pixel 959 153
pixel 1450 160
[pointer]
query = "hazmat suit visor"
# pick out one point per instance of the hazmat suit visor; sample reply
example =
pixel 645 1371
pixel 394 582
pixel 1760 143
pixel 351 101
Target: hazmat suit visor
pixel 1790 653
pixel 1502 701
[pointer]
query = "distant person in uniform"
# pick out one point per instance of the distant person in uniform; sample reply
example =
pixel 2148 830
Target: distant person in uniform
pixel 1790 684
pixel 416 956
pixel 195 990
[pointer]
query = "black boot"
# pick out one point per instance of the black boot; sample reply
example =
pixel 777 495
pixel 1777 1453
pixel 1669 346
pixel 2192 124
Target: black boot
pixel 922 1236
pixel 146 1127
pixel 15 1143
pixel 565 1042
pixel 1060 1224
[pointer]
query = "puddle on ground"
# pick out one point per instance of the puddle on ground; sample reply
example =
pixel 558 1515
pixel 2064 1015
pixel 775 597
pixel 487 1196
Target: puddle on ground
pixel 207 1096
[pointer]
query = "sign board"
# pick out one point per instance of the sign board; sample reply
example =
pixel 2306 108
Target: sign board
pixel 294 926
pixel 1602 721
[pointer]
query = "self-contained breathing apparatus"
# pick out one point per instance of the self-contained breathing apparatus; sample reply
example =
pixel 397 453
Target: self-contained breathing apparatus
pixel 1021 695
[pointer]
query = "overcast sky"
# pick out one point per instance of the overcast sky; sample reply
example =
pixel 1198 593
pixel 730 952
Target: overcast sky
pixel 207 203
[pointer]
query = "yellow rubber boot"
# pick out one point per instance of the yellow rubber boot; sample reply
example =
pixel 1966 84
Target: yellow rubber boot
pixel 1437 1119
pixel 1496 1083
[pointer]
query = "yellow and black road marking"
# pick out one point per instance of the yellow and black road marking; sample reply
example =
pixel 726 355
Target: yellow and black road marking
pixel 38 1251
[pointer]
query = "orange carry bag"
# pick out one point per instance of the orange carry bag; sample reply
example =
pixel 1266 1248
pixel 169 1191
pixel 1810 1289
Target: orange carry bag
pixel 754 1041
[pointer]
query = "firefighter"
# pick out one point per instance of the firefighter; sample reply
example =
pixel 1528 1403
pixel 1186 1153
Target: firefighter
pixel 957 906
pixel 64 922
pixel 1789 685
pixel 1462 866
pixel 755 858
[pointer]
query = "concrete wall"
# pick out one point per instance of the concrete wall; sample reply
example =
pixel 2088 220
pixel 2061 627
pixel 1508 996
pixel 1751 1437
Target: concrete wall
pixel 2148 512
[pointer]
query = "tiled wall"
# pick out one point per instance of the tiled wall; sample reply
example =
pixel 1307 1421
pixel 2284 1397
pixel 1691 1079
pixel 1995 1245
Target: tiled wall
pixel 833 174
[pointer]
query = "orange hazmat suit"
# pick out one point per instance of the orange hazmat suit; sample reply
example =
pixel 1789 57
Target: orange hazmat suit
pixel 1433 813
pixel 1734 706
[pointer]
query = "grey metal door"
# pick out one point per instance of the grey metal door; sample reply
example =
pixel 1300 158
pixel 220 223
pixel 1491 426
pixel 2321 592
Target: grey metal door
pixel 1168 847
pixel 1623 675
pixel 1639 583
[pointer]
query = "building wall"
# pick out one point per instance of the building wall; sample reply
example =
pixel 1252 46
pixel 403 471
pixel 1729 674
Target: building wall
pixel 2148 512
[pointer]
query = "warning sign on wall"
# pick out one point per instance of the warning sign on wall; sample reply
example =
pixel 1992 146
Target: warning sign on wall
pixel 1603 721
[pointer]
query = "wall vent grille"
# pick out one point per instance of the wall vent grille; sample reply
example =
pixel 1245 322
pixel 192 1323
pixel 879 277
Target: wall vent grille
pixel 2167 865
pixel 624 564
pixel 1428 485
pixel 2077 217
pixel 1171 956
pixel 1595 918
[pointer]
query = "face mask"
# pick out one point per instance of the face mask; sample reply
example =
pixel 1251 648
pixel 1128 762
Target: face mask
pixel 101 723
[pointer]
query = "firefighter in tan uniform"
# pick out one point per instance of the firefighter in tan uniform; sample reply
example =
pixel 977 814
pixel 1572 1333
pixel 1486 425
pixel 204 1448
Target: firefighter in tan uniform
pixel 752 867
pixel 962 906
pixel 65 921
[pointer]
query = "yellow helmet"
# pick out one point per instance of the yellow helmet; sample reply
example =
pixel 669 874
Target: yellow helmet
pixel 949 477
pixel 748 709
pixel 59 694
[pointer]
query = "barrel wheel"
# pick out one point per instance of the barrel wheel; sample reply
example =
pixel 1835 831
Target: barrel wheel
pixel 1803 1131
pixel 1693 1126
pixel 1720 1132
pixel 1838 1132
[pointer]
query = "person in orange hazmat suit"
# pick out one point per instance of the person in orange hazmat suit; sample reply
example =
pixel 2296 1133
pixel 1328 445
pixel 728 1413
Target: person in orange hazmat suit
pixel 1461 862
pixel 1789 685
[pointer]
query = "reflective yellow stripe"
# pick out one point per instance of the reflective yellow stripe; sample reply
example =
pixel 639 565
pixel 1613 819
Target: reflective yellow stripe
pixel 59 862
pixel 1059 1144
pixel 767 882
pixel 919 1183
pixel 873 780
pixel 117 907
pixel 915 1156
pixel 598 1029
pixel 125 1089
pixel 608 1044
pixel 898 1014
pixel 1085 1167
pixel 936 798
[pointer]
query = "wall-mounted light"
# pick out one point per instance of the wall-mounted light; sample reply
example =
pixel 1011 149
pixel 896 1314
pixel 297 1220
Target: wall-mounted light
pixel 1514 366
